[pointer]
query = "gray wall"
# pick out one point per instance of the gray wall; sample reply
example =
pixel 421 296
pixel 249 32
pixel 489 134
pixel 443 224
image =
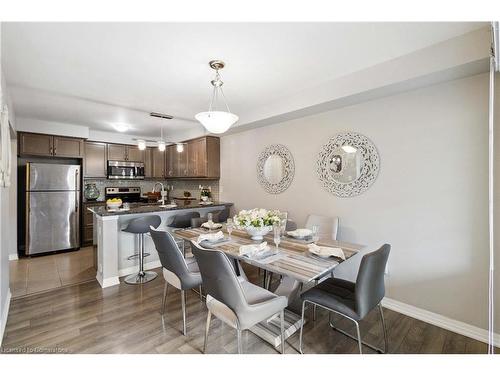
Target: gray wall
pixel 429 201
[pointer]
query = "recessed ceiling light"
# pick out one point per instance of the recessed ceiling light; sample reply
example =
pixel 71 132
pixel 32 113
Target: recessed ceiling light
pixel 121 127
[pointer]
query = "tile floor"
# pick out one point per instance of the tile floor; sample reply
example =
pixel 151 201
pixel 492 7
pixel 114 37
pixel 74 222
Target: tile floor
pixel 43 273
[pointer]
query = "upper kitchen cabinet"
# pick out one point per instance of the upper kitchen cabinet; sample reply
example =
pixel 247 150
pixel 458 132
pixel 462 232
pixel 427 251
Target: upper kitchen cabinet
pixel 125 153
pixel 35 144
pixel 200 159
pixel 158 163
pixel 49 145
pixel 204 157
pixel 117 152
pixel 95 159
pixel 68 147
pixel 134 154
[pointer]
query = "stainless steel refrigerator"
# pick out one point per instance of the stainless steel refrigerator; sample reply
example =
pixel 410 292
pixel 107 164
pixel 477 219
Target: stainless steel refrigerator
pixel 52 207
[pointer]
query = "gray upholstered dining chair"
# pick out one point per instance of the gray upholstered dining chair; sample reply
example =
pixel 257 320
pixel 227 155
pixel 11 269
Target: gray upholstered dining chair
pixel 353 300
pixel 328 225
pixel 181 273
pixel 235 301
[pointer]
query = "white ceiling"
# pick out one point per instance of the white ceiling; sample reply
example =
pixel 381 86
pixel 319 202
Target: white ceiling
pixel 97 74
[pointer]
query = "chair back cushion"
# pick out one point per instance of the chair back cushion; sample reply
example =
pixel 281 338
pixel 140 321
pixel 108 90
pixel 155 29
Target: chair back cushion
pixel 328 225
pixel 219 278
pixel 370 286
pixel 170 255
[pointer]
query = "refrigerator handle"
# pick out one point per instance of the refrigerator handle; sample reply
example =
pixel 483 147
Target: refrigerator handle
pixel 77 189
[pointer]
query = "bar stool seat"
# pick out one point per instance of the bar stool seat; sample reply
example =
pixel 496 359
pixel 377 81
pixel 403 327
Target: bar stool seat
pixel 141 226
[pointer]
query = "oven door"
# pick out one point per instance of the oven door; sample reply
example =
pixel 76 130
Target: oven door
pixel 125 170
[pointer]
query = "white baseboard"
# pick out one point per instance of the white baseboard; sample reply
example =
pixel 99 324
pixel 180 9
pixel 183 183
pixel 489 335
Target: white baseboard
pixel 147 266
pixel 5 314
pixel 13 256
pixel 453 325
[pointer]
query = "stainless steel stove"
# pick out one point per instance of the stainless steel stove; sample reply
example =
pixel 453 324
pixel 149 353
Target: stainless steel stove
pixel 126 194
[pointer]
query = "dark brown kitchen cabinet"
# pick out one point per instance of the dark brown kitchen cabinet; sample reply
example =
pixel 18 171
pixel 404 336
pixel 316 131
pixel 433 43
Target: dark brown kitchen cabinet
pixel 200 159
pixel 68 147
pixel 158 163
pixel 95 159
pixel 117 152
pixel 134 154
pixel 35 144
pixel 204 157
pixel 88 223
pixel 148 162
pixel 49 145
pixel 171 154
pixel 125 153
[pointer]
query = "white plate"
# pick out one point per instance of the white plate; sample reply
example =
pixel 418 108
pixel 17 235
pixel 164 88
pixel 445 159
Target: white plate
pixel 300 233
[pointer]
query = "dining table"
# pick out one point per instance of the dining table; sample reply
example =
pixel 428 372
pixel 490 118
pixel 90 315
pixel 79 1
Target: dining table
pixel 292 260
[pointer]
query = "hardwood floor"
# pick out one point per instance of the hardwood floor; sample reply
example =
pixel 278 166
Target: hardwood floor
pixel 126 319
pixel 43 273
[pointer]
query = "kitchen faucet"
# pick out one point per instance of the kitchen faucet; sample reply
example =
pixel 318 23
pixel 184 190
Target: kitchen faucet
pixel 162 192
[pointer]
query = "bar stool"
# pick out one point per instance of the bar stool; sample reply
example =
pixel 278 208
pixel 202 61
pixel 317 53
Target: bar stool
pixel 182 221
pixel 139 227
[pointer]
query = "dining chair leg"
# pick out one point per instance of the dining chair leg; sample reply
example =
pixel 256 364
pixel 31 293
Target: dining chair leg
pixel 264 279
pixel 360 344
pixel 164 299
pixel 302 327
pixel 238 333
pixel 314 306
pixel 269 279
pixel 201 294
pixel 183 302
pixel 384 328
pixel 282 324
pixel 207 328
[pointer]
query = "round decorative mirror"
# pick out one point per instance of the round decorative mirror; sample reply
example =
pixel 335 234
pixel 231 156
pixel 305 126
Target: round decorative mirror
pixel 348 164
pixel 275 169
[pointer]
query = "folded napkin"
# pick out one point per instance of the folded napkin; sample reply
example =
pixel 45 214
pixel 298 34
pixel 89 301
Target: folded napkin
pixel 211 225
pixel 300 233
pixel 324 251
pixel 252 250
pixel 211 237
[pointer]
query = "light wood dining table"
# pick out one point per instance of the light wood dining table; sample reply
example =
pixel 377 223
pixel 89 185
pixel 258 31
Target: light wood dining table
pixel 293 261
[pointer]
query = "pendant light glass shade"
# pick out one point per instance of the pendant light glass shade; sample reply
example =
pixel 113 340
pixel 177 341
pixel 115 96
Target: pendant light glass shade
pixel 141 144
pixel 213 120
pixel 179 147
pixel 161 146
pixel 216 121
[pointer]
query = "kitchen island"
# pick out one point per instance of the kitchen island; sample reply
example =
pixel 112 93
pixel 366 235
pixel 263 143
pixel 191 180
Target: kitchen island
pixel 114 246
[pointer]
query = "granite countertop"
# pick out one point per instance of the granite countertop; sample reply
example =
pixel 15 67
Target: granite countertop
pixel 140 208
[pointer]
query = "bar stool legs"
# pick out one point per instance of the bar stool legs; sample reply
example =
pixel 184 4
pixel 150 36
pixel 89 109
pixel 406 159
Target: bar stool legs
pixel 142 276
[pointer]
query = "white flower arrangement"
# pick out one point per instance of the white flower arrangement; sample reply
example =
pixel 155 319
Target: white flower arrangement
pixel 256 218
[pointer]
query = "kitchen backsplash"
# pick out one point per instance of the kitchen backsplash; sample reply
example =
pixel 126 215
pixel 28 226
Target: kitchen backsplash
pixel 179 186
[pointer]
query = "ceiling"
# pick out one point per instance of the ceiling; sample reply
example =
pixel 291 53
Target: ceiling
pixel 99 74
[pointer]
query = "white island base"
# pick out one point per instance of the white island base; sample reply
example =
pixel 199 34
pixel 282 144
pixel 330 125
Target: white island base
pixel 115 246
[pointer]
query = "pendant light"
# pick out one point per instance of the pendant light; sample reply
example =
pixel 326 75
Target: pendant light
pixel 161 142
pixel 141 143
pixel 179 147
pixel 213 120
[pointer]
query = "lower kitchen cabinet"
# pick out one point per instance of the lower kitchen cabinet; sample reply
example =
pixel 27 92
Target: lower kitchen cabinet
pixel 88 223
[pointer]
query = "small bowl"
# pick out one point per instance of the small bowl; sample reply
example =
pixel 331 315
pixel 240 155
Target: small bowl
pixel 114 206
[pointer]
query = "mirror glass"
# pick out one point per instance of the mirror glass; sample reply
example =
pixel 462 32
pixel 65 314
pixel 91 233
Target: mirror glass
pixel 274 169
pixel 346 163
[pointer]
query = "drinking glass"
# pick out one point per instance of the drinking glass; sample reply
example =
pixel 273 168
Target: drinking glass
pixel 277 234
pixel 315 233
pixel 229 226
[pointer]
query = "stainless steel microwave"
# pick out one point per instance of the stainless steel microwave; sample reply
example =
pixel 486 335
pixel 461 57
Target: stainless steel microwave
pixel 125 170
